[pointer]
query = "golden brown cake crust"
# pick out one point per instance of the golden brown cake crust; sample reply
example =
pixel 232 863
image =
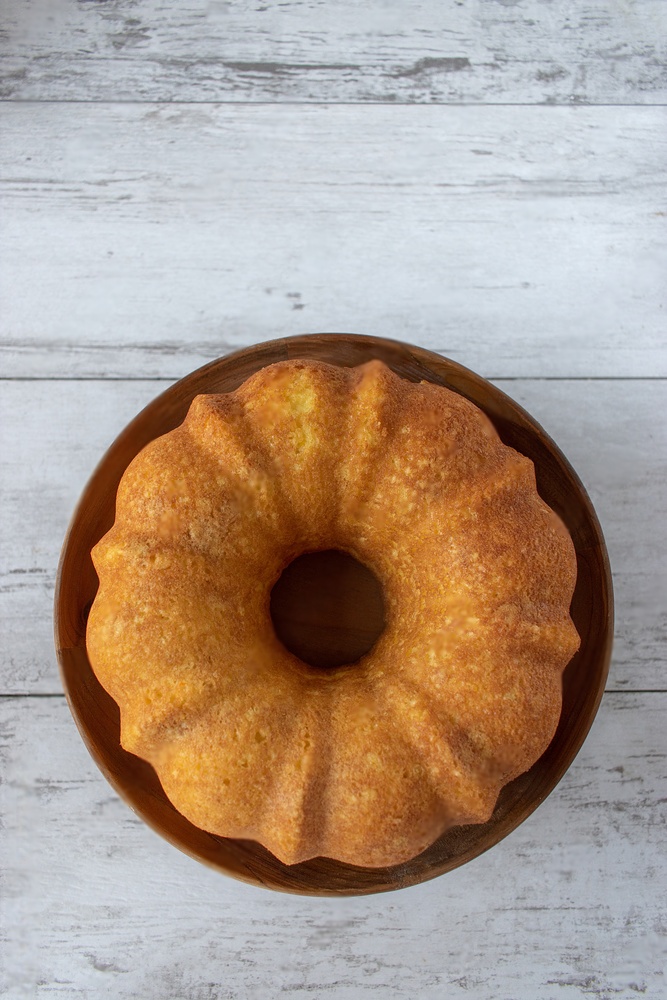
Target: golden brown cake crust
pixel 367 764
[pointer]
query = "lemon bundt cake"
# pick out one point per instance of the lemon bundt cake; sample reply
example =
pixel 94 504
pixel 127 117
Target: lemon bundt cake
pixel 371 762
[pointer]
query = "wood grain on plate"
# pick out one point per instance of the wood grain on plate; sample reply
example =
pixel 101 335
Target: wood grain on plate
pixel 97 716
pixel 518 241
pixel 513 51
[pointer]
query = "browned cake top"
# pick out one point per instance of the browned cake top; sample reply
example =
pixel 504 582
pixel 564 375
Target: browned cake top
pixel 462 692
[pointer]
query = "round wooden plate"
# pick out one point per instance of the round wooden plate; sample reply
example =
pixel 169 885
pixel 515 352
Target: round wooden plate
pixel 97 715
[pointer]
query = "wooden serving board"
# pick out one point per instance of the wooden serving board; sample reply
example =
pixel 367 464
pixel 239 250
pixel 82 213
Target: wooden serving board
pixel 97 715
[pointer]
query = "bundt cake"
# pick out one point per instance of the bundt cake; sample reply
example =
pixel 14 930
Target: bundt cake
pixel 368 763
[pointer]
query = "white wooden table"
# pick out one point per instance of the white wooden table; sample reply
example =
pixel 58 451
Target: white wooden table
pixel 485 179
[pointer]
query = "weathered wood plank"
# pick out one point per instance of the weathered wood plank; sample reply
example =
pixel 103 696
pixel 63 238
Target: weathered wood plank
pixel 55 432
pixel 510 51
pixel 146 240
pixel 572 904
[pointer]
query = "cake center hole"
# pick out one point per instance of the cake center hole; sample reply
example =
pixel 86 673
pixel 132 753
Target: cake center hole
pixel 327 608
